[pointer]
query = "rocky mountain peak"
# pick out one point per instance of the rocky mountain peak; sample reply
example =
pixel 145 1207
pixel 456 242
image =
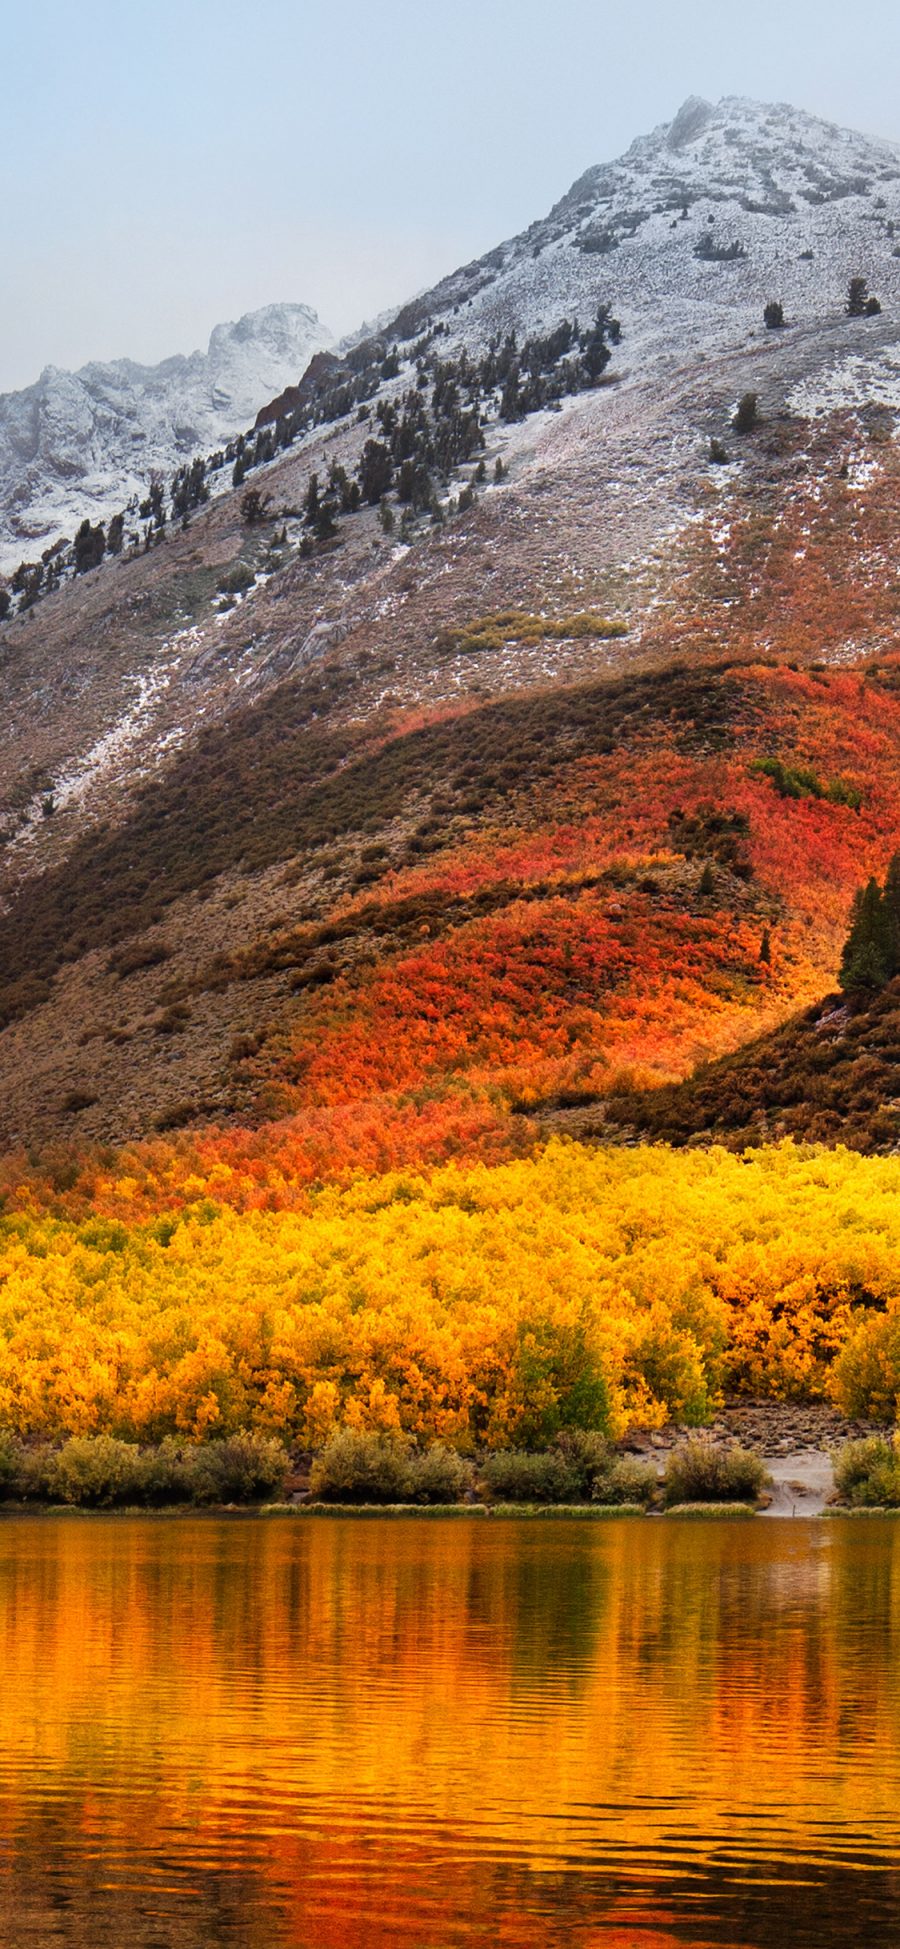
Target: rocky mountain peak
pixel 693 117
pixel 81 443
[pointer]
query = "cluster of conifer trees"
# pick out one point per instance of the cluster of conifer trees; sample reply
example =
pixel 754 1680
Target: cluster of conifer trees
pixel 871 954
pixel 418 440
pixel 422 436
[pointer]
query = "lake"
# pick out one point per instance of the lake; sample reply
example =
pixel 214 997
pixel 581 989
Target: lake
pixel 283 1734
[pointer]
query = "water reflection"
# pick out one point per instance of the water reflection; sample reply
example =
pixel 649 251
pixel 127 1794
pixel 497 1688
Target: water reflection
pixel 317 1735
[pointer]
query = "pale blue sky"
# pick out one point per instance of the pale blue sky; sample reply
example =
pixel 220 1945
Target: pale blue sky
pixel 166 166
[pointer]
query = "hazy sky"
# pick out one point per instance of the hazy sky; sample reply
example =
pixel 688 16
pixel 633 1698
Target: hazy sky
pixel 166 166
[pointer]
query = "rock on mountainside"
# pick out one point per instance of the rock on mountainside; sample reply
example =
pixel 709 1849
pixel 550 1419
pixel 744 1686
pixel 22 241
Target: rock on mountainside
pixel 81 443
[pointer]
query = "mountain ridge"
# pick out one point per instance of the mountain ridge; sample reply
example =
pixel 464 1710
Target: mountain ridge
pixel 360 901
pixel 79 444
pixel 783 160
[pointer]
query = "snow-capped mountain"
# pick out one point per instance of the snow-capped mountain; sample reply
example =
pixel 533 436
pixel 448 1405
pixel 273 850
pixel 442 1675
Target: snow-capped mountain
pixel 300 706
pixel 81 443
pixel 710 215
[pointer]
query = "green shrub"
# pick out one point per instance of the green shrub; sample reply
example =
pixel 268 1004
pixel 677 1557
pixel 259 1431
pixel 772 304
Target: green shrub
pixel 587 1453
pixel 627 1480
pixel 799 782
pixel 236 580
pixel 10 1464
pixel 440 1475
pixel 95 1470
pixel 520 626
pixel 355 1467
pixel 240 1468
pixel 867 1473
pixel 698 1472
pixel 580 1467
pixel 164 1476
pixel 511 1476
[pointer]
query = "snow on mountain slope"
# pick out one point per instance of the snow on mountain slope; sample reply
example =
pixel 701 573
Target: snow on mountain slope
pixel 81 443
pixel 807 204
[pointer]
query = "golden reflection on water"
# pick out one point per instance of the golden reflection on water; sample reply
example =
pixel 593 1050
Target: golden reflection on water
pixel 263 1733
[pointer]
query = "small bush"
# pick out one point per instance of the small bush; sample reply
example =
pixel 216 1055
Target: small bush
pixel 799 781
pixel 579 1468
pixel 236 580
pixel 356 1467
pixel 97 1471
pixel 698 1472
pixel 710 252
pixel 136 955
pixel 240 1468
pixel 867 1473
pixel 587 1453
pixel 10 1464
pixel 94 1470
pixel 747 415
pixel 520 626
pixel 440 1475
pixel 511 1476
pixel 173 1020
pixel 75 1100
pixel 628 1480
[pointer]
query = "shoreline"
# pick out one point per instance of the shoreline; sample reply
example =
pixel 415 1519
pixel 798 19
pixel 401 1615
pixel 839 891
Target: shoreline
pixel 796 1441
pixel 437 1512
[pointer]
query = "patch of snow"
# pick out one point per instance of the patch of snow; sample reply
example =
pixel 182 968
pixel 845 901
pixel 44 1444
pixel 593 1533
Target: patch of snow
pixel 858 379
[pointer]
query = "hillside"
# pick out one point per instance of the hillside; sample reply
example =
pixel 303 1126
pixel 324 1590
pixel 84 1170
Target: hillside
pixel 496 763
pixel 800 204
pixel 827 1076
pixel 297 772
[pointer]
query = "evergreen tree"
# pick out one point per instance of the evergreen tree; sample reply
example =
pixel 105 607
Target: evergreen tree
pixel 857 297
pixel 89 547
pixel 747 415
pixel 255 506
pixel 326 525
pixel 376 472
pixel 773 316
pixel 311 503
pixel 156 501
pixel 892 909
pixel 867 960
pixel 510 401
pixel 596 353
pixel 115 534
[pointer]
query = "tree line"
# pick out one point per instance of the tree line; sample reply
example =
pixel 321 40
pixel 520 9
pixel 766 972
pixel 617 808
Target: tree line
pixel 417 441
